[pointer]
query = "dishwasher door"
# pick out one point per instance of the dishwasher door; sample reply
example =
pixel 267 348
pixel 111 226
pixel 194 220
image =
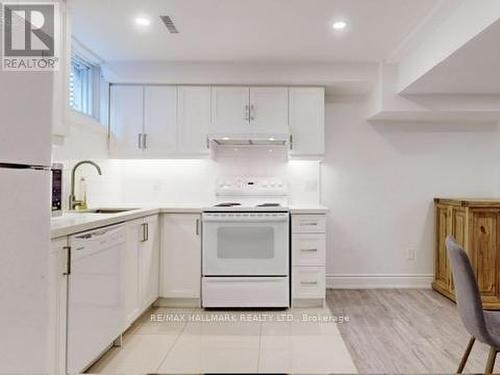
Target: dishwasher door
pixel 95 305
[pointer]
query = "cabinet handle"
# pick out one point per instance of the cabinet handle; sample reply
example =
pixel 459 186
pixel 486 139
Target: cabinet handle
pixel 309 250
pixel 312 224
pixel 247 113
pixel 252 112
pixel 309 282
pixel 291 142
pixel 197 227
pixel 68 261
pixel 143 232
pixel 139 141
pixel 147 232
pixel 208 143
pixel 144 141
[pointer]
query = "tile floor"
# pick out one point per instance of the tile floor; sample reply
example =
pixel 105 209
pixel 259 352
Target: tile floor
pixel 167 340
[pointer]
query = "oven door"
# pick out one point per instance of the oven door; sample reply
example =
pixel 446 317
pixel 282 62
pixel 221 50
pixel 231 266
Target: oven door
pixel 245 244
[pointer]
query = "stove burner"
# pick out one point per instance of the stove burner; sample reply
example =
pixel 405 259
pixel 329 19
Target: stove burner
pixel 269 205
pixel 227 204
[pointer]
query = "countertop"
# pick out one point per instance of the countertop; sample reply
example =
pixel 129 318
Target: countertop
pixel 76 222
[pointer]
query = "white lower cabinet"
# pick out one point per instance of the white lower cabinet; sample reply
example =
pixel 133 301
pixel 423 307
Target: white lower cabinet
pixel 141 267
pixel 58 284
pixel 181 257
pixel 308 259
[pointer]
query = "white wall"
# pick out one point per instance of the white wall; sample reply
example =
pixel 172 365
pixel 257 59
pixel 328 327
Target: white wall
pixel 178 182
pixel 379 181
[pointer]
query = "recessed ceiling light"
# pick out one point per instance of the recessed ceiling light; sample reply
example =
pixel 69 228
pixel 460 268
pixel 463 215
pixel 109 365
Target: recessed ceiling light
pixel 339 25
pixel 142 21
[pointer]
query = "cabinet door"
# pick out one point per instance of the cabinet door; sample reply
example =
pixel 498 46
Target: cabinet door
pixel 484 253
pixel 269 110
pixel 307 121
pixel 58 289
pixel 181 256
pixel 193 119
pixel 160 129
pixel 230 109
pixel 149 259
pixel 130 263
pixel 126 121
pixel 443 229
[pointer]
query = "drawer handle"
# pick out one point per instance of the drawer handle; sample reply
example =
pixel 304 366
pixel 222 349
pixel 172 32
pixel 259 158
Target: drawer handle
pixel 311 224
pixel 309 282
pixel 309 250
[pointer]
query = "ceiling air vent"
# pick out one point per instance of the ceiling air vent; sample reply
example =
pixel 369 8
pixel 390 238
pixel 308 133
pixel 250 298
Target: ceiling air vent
pixel 169 24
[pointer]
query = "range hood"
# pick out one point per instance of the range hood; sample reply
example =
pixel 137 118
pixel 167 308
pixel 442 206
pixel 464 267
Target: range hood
pixel 250 140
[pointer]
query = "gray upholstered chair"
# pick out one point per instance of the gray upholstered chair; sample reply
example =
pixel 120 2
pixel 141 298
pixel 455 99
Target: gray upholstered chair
pixel 482 325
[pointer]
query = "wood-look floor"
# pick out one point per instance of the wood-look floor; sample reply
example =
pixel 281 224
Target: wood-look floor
pixel 404 331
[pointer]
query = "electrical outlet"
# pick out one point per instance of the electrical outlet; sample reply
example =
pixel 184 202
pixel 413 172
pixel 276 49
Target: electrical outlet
pixel 411 254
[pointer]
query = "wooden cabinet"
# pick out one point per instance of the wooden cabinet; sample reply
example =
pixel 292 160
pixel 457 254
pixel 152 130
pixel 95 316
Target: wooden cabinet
pixel 181 257
pixel 307 121
pixel 130 267
pixel 193 110
pixel 308 259
pixel 476 226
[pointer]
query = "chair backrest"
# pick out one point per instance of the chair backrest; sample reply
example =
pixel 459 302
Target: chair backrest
pixel 467 294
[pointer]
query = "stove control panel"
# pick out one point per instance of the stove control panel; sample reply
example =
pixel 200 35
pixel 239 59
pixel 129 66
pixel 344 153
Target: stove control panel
pixel 245 216
pixel 258 186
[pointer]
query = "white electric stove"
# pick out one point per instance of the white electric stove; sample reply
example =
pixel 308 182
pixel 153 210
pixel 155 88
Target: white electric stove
pixel 246 245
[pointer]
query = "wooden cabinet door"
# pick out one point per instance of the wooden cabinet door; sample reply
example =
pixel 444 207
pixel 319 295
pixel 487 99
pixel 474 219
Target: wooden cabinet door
pixel 193 107
pixel 160 121
pixel 307 121
pixel 149 261
pixel 459 230
pixel 230 110
pixel 269 110
pixel 443 229
pixel 484 253
pixel 181 256
pixel 126 121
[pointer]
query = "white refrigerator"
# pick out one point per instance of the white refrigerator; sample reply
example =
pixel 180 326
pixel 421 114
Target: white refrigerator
pixel 25 156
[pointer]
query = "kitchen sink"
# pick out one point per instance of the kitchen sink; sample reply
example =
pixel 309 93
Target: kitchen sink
pixel 105 210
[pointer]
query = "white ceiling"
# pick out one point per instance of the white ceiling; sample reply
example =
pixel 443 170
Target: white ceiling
pixel 472 69
pixel 247 30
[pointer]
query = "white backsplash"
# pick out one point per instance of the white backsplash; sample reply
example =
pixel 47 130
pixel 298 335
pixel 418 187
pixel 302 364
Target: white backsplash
pixel 181 182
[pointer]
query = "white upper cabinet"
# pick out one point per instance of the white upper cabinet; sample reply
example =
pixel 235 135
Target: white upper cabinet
pixel 193 118
pixel 269 110
pixel 126 120
pixel 250 110
pixel 230 109
pixel 307 121
pixel 165 121
pixel 160 121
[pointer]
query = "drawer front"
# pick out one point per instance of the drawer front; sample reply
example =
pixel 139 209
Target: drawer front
pixel 308 223
pixel 308 282
pixel 308 249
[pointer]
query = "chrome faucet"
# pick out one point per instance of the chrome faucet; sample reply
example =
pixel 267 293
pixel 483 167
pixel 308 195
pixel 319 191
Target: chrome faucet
pixel 73 202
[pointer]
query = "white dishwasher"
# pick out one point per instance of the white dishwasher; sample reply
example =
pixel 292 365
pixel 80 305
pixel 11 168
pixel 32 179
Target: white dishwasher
pixel 95 303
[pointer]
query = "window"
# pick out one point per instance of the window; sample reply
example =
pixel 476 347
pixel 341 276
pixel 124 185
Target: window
pixel 83 87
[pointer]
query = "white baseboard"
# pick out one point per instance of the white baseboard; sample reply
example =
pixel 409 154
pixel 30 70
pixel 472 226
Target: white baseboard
pixel 374 281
